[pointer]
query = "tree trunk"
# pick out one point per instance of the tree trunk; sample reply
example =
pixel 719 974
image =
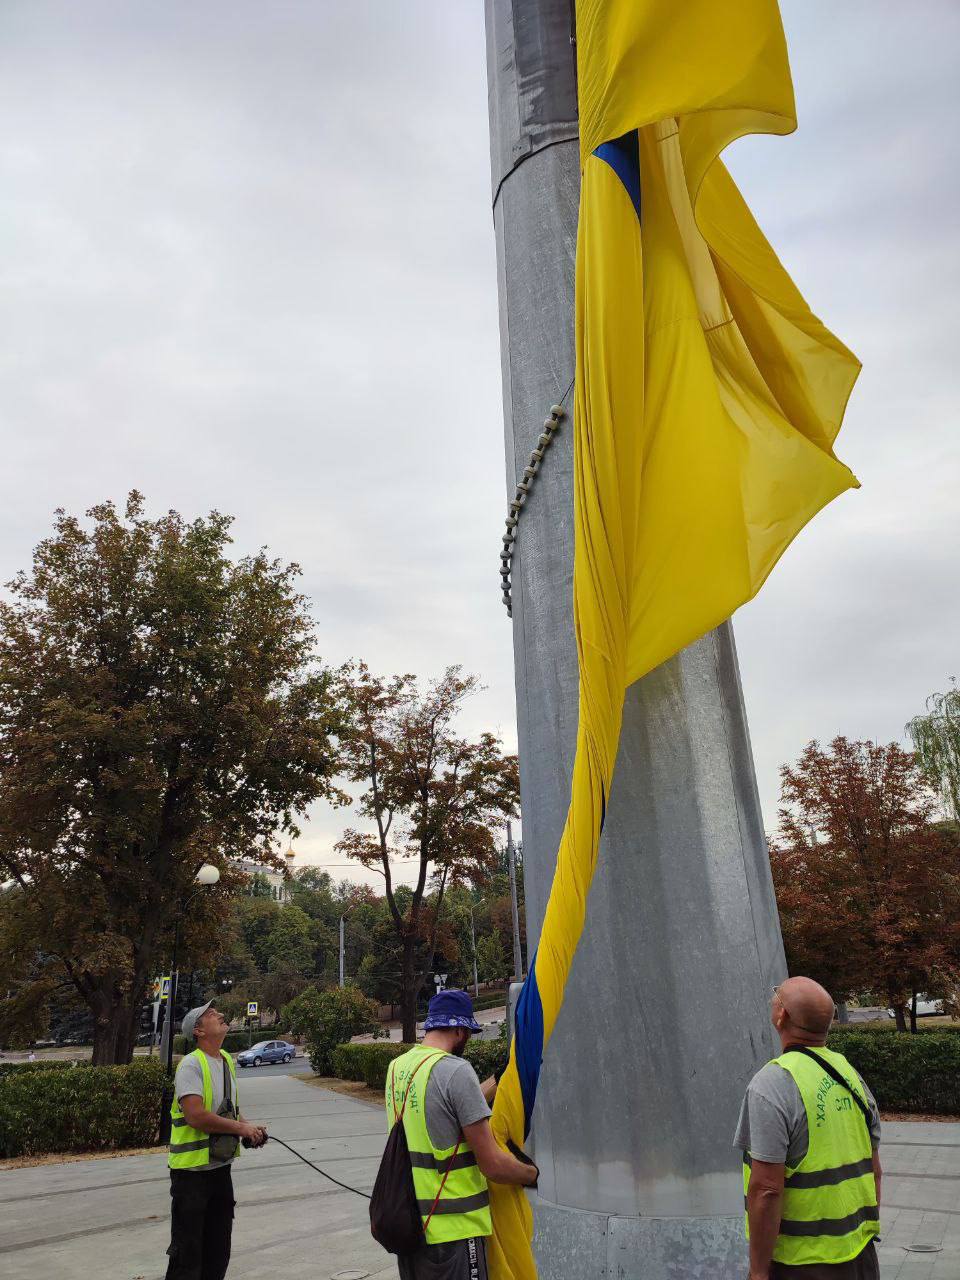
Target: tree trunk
pixel 900 1018
pixel 114 1027
pixel 408 994
pixel 107 1029
pixel 127 1040
pixel 913 1014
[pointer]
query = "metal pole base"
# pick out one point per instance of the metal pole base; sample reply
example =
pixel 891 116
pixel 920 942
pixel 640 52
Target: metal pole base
pixel 166 1102
pixel 572 1244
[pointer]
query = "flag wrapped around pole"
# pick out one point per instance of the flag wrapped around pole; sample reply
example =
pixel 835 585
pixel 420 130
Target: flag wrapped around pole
pixel 707 400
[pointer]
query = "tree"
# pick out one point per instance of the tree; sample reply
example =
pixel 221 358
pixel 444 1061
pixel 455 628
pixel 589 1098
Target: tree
pixel 160 707
pixel 329 1018
pixel 936 738
pixel 492 962
pixel 430 795
pixel 868 885
pixel 378 973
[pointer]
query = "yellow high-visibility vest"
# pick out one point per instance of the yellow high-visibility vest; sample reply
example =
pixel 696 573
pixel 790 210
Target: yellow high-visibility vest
pixel 451 1191
pixel 189 1147
pixel 829 1209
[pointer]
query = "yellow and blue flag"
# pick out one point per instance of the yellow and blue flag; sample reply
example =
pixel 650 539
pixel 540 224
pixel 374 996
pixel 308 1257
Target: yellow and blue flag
pixel 708 397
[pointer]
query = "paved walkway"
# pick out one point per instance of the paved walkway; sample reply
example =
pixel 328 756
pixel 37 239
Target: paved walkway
pixel 920 1217
pixel 109 1219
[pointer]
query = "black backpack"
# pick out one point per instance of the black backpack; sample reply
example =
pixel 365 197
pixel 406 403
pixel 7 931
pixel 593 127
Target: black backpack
pixel 395 1219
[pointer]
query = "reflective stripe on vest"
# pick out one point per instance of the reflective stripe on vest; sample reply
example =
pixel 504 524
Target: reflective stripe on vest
pixel 829 1212
pixel 189 1147
pixel 451 1191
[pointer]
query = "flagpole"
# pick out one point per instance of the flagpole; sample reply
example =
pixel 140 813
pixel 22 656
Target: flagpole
pixel 666 1013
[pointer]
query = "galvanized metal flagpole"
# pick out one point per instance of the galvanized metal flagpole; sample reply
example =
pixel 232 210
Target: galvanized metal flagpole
pixel 666 1013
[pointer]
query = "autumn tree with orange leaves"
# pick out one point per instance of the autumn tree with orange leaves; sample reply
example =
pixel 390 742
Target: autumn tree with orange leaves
pixel 429 796
pixel 868 884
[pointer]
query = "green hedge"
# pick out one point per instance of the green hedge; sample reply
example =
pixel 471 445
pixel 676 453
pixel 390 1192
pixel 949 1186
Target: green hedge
pixel 235 1041
pixel 366 1063
pixel 488 1056
pixel 93 1109
pixel 28 1068
pixel 369 1063
pixel 905 1072
pixel 884 1028
pixel 490 1000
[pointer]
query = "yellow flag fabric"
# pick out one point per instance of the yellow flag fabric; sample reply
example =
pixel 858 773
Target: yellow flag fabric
pixel 708 397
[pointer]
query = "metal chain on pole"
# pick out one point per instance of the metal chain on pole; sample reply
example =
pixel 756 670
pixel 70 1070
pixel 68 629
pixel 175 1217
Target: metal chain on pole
pixel 550 427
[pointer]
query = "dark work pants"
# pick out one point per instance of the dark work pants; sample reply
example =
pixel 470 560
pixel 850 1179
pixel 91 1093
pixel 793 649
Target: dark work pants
pixel 458 1260
pixel 201 1223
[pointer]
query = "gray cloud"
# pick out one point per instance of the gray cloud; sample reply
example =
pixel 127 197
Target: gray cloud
pixel 248 263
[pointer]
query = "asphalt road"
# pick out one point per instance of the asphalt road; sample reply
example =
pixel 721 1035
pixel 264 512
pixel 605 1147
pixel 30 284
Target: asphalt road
pixel 296 1067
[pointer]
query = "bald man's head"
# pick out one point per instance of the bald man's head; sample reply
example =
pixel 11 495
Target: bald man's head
pixel 802 1006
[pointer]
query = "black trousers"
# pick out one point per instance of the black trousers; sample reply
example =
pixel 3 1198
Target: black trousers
pixel 458 1260
pixel 201 1223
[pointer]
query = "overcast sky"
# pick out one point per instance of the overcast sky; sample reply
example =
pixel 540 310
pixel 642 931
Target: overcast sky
pixel 246 262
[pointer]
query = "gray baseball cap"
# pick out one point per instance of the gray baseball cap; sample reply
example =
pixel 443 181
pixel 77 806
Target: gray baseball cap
pixel 190 1019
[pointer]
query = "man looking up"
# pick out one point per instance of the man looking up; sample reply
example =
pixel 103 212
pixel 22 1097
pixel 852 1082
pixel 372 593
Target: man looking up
pixel 205 1137
pixel 809 1131
pixel 446 1119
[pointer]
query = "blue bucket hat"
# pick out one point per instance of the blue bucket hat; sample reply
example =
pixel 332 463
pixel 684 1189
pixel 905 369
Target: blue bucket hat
pixel 451 1009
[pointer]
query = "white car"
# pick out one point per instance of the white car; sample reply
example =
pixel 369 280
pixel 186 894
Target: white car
pixel 925 1008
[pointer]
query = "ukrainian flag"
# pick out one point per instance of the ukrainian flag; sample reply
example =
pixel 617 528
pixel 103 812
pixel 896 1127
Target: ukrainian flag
pixel 708 398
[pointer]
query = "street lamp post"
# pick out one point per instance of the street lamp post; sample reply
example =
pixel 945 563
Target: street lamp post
pixel 342 918
pixel 206 876
pixel 512 869
pixel 473 948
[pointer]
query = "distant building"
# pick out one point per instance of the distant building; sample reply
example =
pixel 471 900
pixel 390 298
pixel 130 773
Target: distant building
pixel 278 882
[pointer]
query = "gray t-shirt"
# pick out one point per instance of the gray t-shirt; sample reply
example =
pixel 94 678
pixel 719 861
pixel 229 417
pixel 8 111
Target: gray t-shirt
pixel 773 1120
pixel 453 1101
pixel 189 1079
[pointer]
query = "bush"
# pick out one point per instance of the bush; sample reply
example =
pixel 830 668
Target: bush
pixel 329 1018
pixel 369 1063
pixel 488 1056
pixel 25 1068
pixel 884 1028
pixel 302 1011
pixel 89 1109
pixel 905 1072
pixel 491 1000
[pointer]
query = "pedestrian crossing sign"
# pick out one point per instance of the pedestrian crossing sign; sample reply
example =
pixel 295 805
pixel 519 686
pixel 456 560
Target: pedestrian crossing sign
pixel 253 1009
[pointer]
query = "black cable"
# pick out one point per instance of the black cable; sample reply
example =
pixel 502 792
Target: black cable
pixel 271 1138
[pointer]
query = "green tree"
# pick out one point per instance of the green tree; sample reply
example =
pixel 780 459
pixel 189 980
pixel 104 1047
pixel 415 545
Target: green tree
pixel 290 942
pixel 492 960
pixel 160 707
pixel 378 973
pixel 429 795
pixel 936 739
pixel 329 1018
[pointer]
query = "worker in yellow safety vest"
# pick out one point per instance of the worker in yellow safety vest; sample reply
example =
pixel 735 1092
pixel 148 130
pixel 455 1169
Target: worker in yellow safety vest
pixel 434 1092
pixel 206 1131
pixel 809 1131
